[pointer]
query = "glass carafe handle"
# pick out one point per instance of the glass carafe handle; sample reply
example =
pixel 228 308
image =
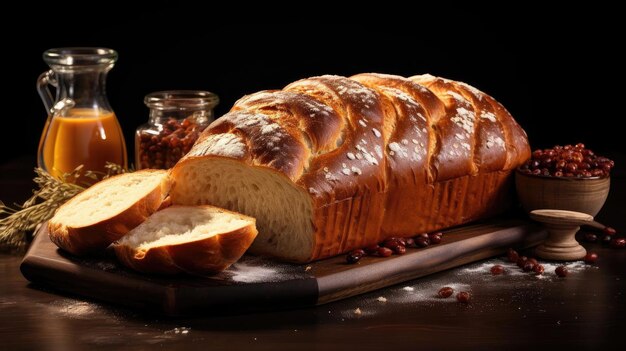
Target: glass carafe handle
pixel 45 79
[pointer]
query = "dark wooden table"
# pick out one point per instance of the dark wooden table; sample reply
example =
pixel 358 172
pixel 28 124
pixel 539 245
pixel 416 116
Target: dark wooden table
pixel 586 310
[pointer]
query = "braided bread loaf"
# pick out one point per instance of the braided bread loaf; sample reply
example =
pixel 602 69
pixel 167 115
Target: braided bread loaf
pixel 329 163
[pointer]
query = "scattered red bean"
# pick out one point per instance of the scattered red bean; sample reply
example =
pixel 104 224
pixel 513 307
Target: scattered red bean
pixel 533 261
pixel 410 242
pixel 567 161
pixel 391 243
pixel 561 271
pixel 497 269
pixel 435 238
pixel 445 292
pixel 372 249
pixel 384 252
pixel 512 255
pixel 618 243
pixel 399 249
pixel 606 239
pixel 422 241
pixel 521 261
pixel 463 297
pixel 360 252
pixel 528 266
pixel 538 269
pixel 609 231
pixel 350 258
pixel 355 256
pixel 591 257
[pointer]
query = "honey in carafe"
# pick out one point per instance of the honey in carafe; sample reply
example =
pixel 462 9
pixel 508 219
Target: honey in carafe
pixel 83 136
pixel 81 128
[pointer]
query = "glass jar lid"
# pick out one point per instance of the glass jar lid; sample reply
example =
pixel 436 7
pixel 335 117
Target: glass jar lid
pixel 185 100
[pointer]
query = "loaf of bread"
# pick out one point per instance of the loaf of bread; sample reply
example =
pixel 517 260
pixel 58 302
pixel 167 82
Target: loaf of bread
pixel 329 163
pixel 192 239
pixel 105 212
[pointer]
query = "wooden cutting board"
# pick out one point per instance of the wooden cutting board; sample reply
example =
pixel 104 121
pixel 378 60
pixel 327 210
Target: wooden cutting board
pixel 256 283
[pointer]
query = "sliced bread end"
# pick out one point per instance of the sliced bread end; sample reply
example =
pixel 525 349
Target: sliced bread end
pixel 194 239
pixel 105 212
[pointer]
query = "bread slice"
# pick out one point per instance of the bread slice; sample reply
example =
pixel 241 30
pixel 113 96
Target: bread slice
pixel 193 239
pixel 105 212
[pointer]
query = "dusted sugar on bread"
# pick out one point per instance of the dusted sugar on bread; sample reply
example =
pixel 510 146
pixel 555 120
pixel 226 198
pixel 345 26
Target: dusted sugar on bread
pixel 105 212
pixel 192 239
pixel 330 163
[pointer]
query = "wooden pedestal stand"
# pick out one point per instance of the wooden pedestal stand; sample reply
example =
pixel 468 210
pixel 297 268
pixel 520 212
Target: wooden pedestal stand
pixel 561 244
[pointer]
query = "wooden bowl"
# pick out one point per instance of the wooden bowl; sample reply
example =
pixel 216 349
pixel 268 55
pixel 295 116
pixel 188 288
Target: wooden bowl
pixel 586 195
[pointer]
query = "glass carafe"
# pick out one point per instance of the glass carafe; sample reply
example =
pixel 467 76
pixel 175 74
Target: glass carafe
pixel 81 128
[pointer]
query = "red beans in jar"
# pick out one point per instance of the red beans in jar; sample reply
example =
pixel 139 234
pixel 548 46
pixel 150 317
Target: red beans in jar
pixel 176 120
pixel 163 146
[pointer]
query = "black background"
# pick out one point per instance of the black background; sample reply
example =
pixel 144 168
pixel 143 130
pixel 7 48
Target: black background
pixel 557 71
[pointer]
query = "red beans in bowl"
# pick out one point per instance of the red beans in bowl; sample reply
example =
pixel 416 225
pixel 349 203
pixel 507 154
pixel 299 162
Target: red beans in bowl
pixel 569 161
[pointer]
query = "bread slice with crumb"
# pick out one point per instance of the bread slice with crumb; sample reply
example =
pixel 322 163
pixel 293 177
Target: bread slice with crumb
pixel 193 239
pixel 105 212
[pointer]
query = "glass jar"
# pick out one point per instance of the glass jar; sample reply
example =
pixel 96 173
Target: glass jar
pixel 81 128
pixel 176 119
